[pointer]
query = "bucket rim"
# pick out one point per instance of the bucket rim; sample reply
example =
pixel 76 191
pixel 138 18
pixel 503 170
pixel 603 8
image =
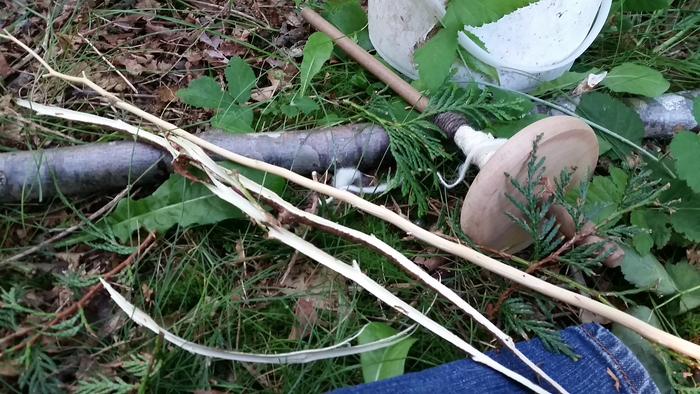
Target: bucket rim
pixel 486 57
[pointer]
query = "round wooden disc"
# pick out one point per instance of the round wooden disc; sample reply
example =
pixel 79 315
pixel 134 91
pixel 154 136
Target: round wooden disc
pixel 566 143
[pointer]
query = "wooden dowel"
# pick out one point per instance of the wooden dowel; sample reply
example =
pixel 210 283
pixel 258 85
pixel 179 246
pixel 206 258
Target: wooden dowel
pixel 369 62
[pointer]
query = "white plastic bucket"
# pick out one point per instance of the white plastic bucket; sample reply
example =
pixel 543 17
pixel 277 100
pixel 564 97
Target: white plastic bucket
pixel 534 44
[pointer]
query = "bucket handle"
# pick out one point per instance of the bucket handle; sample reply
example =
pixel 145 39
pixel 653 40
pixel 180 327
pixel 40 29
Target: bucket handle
pixel 491 60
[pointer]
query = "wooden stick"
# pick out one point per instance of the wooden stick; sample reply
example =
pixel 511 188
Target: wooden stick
pixel 371 64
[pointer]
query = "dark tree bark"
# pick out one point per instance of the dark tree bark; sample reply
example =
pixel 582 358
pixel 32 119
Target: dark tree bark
pixel 34 175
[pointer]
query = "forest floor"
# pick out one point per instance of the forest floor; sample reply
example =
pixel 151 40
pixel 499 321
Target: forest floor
pixel 226 284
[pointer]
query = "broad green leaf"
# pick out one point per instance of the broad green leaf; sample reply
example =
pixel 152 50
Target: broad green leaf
pixel 687 279
pixel 645 352
pixel 178 201
pixel 383 363
pixel 477 65
pixel 435 58
pixel 696 109
pixel 205 93
pixel 685 148
pixel 317 51
pixel 234 119
pixel 349 17
pixel 658 222
pixel 636 79
pixel 645 272
pixel 462 13
pixel 605 195
pixel 305 104
pixel 685 218
pixel 646 5
pixel 509 129
pixel 614 115
pixel 643 243
pixel 240 78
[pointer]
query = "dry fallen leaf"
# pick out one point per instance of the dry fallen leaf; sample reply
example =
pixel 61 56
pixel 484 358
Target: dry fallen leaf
pixel 306 319
pixel 589 83
pixel 693 255
pixel 5 69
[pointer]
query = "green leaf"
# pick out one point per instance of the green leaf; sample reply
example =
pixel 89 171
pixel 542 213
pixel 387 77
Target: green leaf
pixel 317 51
pixel 687 279
pixel 435 58
pixel 509 129
pixel 462 13
pixel 645 272
pixel 240 78
pixel 383 363
pixel 646 5
pixel 685 148
pixel 696 109
pixel 685 218
pixel 614 115
pixel 234 120
pixel 305 104
pixel 178 201
pixel 349 17
pixel 477 65
pixel 605 195
pixel 645 352
pixel 643 243
pixel 636 79
pixel 205 93
pixel 657 222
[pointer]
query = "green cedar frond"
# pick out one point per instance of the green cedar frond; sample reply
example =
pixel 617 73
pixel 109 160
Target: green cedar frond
pixel 520 318
pixel 104 385
pixel 640 190
pixel 417 144
pixel 534 206
pixel 586 257
pixel 480 107
pixel 39 372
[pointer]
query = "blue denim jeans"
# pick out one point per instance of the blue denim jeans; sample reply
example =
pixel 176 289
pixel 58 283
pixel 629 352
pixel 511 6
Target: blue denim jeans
pixel 606 366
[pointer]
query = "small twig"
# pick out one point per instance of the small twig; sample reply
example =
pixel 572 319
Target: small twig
pixel 102 211
pixel 142 249
pixel 538 266
pixel 108 63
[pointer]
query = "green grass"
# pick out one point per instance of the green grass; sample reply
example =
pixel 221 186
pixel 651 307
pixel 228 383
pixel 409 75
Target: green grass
pixel 196 282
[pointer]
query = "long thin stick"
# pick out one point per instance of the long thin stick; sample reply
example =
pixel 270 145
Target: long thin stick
pixel 371 64
pixel 642 328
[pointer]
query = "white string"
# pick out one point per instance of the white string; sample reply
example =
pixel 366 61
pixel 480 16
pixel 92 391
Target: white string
pixel 348 178
pixel 477 146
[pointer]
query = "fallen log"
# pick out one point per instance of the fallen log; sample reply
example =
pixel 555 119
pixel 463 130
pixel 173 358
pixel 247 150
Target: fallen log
pixel 84 169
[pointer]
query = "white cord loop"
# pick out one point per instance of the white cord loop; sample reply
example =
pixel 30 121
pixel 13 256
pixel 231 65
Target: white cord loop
pixel 350 179
pixel 477 146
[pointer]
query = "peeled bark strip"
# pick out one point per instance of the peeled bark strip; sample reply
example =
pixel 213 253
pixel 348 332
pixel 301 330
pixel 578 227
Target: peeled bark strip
pixel 32 175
